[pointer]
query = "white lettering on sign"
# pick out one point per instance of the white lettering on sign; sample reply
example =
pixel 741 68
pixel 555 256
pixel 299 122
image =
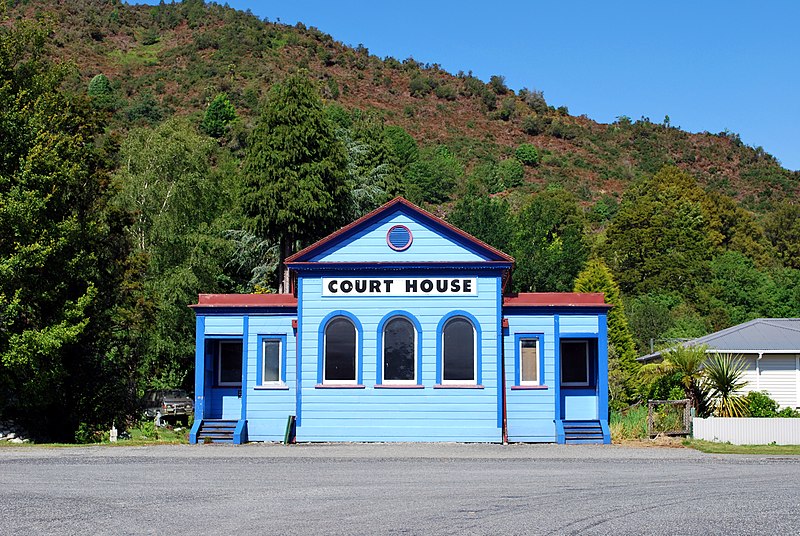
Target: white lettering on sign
pixel 400 286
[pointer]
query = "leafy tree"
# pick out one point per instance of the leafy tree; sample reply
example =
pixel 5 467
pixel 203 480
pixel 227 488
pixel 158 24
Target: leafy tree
pixel 219 114
pixel 498 84
pixel 527 154
pixel 60 250
pixel 783 231
pixel 433 176
pixel 295 170
pixel 649 317
pixel 179 206
pixel 596 277
pixel 659 240
pixel 738 291
pixel 486 218
pixel 549 243
pixel 510 173
pixel 732 228
pixel 403 145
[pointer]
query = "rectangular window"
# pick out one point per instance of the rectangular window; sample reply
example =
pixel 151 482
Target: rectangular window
pixel 271 361
pixel 229 364
pixel 575 363
pixel 529 362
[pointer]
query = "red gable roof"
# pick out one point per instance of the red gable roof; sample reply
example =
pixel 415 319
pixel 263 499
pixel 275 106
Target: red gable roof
pixel 555 299
pixel 363 221
pixel 246 300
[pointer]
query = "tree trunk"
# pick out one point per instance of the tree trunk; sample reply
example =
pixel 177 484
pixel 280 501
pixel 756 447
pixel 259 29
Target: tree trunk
pixel 285 251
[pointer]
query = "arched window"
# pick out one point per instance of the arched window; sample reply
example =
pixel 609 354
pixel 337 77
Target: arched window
pixel 399 351
pixel 458 351
pixel 340 351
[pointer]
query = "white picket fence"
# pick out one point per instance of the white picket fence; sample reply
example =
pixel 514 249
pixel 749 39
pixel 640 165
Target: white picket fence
pixel 748 431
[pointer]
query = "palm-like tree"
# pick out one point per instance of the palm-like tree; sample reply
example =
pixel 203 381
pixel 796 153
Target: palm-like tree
pixel 723 377
pixel 688 362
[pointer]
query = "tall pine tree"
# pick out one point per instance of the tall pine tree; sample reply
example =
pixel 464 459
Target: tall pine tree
pixel 295 170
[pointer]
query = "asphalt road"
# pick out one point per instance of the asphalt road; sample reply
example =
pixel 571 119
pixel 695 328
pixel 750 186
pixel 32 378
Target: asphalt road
pixel 395 489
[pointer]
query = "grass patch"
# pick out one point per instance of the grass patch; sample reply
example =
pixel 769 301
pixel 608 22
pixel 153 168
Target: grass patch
pixel 711 447
pixel 143 435
pixel 628 424
pixel 142 55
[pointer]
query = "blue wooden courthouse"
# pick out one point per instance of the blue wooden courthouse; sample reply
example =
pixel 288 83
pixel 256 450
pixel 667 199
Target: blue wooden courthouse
pixel 399 328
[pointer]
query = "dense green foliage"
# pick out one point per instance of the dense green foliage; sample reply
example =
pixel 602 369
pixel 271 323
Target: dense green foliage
pixel 294 172
pixel 596 277
pixel 60 248
pixel 219 114
pixel 192 159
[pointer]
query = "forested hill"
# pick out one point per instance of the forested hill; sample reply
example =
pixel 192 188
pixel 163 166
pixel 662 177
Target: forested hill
pixel 174 58
pixel 151 153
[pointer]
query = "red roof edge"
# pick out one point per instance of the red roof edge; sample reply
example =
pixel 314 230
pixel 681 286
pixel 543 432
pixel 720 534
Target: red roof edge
pixel 401 201
pixel 246 300
pixel 556 299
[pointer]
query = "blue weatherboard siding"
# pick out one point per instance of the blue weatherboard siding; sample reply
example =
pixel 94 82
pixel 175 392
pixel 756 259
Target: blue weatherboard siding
pixel 399 414
pixel 268 407
pixel 530 412
pixel 370 245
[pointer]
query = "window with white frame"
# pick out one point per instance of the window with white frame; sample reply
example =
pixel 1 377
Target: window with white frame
pixel 271 361
pixel 575 363
pixel 340 351
pixel 229 364
pixel 399 352
pixel 529 373
pixel 459 357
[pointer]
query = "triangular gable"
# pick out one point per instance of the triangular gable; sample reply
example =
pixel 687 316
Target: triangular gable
pixel 380 236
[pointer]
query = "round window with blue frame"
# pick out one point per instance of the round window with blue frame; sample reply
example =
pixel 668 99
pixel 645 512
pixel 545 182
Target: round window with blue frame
pixel 399 237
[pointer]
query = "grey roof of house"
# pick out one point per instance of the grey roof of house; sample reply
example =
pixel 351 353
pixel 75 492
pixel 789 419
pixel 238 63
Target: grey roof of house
pixel 759 335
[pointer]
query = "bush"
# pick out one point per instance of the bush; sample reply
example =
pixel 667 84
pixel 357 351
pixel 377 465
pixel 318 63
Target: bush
pixel 788 413
pixel 446 92
pixel 561 130
pixel 218 115
pixel 510 173
pixel 421 86
pixel 498 84
pixel 760 404
pixel 534 99
pixel 507 108
pixel 527 154
pixel 535 124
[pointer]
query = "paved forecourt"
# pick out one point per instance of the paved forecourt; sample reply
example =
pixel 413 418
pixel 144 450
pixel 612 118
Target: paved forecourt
pixel 395 488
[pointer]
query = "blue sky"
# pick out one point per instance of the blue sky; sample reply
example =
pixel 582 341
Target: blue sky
pixel 709 65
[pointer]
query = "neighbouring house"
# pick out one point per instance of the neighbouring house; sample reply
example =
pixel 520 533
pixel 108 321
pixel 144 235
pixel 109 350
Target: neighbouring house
pixel 399 328
pixel 770 348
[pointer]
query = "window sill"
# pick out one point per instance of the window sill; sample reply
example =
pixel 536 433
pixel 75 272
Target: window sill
pixel 529 388
pixel 338 386
pixel 276 387
pixel 399 386
pixel 457 386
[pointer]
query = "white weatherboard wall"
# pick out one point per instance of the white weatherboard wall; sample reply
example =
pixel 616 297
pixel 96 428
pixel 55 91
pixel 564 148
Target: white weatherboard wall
pixel 748 431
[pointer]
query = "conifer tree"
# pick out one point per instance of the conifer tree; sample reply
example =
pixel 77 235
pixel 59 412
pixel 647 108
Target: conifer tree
pixel 295 170
pixel 219 114
pixel 596 277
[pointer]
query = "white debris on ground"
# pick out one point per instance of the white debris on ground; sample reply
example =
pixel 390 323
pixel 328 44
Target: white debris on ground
pixel 11 432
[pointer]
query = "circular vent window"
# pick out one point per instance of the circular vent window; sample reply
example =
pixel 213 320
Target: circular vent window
pixel 399 238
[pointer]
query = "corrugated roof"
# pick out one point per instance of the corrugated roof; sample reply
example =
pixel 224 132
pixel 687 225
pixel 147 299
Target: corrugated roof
pixel 759 335
pixel 245 300
pixel 555 299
